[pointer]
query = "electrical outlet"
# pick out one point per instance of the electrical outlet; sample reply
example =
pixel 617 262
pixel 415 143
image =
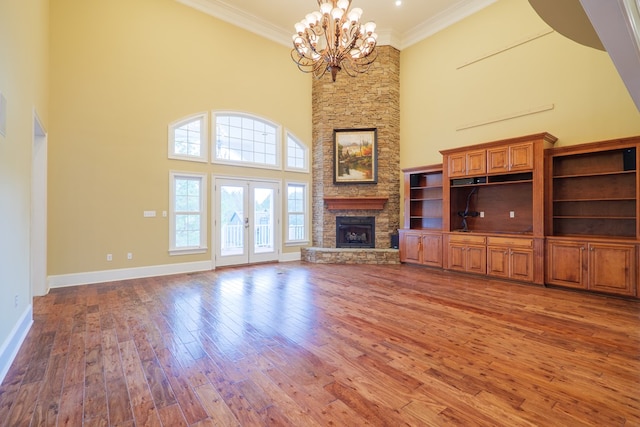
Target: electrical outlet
pixel 481 214
pixel 512 214
pixel 129 255
pixel 15 302
pixel 109 257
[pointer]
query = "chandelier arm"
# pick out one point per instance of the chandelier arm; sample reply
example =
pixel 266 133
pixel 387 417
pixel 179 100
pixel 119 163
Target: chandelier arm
pixel 311 46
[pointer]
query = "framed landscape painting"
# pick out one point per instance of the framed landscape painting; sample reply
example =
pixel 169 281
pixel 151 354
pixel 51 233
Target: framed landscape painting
pixel 355 159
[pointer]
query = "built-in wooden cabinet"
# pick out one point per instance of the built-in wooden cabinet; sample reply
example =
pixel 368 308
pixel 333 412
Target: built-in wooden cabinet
pixel 467 163
pixel 595 265
pixel 521 209
pixel 421 247
pixel 592 216
pixel 505 201
pixel 421 238
pixel 510 258
pixel 467 253
pixel 516 157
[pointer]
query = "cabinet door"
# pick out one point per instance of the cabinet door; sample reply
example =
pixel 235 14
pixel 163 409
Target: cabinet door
pixel 521 264
pixel 612 268
pixel 410 247
pixel 521 157
pixel 457 165
pixel 497 160
pixel 566 263
pixel 476 259
pixel 476 162
pixel 457 257
pixel 432 250
pixel 498 261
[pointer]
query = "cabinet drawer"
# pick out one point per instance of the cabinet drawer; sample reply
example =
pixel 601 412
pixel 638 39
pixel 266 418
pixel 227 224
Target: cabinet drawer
pixel 467 238
pixel 510 241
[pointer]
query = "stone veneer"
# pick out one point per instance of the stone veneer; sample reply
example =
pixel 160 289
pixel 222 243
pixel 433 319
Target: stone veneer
pixel 370 100
pixel 350 256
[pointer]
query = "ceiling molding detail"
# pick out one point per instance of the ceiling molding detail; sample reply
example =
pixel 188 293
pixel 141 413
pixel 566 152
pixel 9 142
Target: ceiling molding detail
pixel 443 20
pixel 233 15
pixel 242 19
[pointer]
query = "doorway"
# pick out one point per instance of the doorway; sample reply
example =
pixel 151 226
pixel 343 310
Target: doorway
pixel 247 221
pixel 38 241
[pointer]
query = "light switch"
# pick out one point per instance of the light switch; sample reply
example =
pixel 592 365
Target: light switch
pixel 149 214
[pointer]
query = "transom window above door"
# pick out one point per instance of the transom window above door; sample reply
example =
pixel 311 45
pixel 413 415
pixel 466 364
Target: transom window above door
pixel 246 139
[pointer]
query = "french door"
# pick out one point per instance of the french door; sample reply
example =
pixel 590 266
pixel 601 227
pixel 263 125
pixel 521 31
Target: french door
pixel 246 221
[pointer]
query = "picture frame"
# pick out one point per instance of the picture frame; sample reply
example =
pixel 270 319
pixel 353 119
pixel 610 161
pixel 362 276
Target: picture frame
pixel 355 156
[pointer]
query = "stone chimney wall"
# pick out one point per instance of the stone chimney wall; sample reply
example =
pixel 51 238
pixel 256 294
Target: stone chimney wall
pixel 370 100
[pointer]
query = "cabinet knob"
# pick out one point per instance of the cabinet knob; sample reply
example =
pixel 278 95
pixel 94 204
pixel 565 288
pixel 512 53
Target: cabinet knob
pixel 591 249
pixel 582 248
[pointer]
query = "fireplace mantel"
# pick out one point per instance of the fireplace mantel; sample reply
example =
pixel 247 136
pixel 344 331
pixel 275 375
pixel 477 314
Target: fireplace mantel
pixel 352 203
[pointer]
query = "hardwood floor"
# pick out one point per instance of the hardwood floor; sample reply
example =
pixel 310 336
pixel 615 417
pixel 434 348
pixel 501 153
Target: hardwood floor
pixel 297 344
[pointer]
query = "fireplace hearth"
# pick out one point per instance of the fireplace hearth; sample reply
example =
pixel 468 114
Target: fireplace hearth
pixel 355 232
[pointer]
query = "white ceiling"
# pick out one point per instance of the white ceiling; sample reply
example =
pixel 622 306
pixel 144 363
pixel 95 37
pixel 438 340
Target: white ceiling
pixel 398 26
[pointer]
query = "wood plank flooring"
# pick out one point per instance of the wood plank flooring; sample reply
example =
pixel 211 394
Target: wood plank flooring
pixel 297 344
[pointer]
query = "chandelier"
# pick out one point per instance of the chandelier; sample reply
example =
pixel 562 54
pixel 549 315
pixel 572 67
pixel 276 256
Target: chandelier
pixel 333 39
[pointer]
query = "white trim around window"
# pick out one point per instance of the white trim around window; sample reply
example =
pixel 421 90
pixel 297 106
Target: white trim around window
pixel 296 154
pixel 244 139
pixel 187 213
pixel 189 138
pixel 297 210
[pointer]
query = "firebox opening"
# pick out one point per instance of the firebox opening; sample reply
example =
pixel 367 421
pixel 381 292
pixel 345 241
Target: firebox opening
pixel 355 232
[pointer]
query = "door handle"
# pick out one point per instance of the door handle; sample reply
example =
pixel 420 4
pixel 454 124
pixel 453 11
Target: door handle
pixel 246 223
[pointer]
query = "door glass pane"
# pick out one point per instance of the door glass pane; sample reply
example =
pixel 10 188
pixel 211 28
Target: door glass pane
pixel 263 220
pixel 232 220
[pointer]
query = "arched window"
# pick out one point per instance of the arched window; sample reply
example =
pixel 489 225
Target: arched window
pixel 245 139
pixel 297 155
pixel 188 138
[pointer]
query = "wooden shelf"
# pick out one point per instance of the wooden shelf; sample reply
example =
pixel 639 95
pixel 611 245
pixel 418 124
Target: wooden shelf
pixel 582 175
pixel 599 199
pixel 592 217
pixel 425 199
pixel 594 190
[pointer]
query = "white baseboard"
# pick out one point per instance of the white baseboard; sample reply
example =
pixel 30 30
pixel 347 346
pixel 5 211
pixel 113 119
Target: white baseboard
pixel 64 280
pixel 12 344
pixel 290 256
pixel 75 279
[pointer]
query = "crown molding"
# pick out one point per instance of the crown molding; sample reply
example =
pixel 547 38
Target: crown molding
pixel 454 14
pixel 231 14
pixel 242 19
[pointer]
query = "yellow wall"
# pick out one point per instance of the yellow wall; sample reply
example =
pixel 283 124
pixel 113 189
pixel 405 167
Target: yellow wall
pixel 24 83
pixel 121 71
pixel 438 97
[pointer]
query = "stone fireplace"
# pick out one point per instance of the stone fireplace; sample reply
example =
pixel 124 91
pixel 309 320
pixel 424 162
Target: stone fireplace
pixel 370 100
pixel 355 232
